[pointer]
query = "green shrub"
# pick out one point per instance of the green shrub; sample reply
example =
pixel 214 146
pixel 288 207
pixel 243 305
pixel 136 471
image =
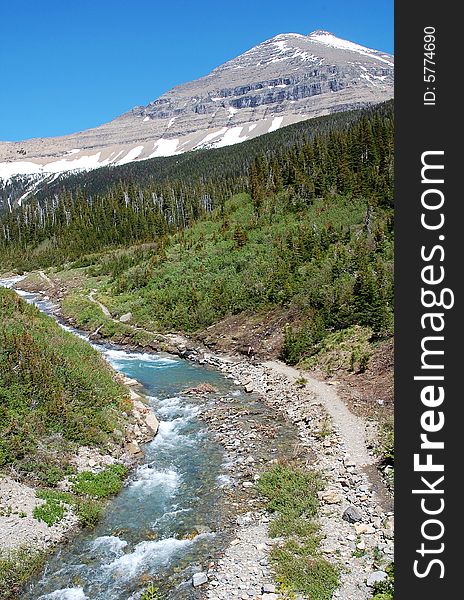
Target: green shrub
pixel 100 485
pixel 151 593
pixel 291 494
pixel 384 590
pixel 89 512
pixel 55 389
pixel 55 506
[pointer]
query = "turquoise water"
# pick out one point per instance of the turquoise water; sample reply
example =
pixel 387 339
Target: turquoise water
pixel 176 491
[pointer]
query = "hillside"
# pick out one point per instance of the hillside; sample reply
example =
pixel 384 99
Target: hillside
pixel 286 254
pixel 56 393
pixel 346 154
pixel 298 265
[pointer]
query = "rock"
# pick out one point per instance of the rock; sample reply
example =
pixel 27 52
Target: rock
pixel 92 462
pixel 389 529
pixel 376 577
pixel 134 449
pixel 269 588
pixel 269 597
pixel 126 317
pixel 202 388
pixel 330 497
pixel 352 514
pixel 152 423
pixel 363 528
pixel 199 579
pixel 248 388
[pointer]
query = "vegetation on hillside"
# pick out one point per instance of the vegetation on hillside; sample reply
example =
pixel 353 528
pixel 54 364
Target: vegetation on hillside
pixel 56 392
pixel 348 154
pixel 322 261
pixel 312 230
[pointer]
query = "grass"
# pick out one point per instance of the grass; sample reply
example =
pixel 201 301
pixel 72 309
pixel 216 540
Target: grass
pixel 87 315
pixel 347 350
pixel 89 512
pixel 56 392
pixel 291 494
pixel 16 567
pixel 55 506
pixel 88 491
pixel 151 593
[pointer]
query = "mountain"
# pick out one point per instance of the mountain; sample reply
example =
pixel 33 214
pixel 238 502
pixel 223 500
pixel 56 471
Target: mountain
pixel 286 79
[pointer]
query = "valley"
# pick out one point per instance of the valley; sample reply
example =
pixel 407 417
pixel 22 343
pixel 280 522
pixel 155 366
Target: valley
pixel 196 355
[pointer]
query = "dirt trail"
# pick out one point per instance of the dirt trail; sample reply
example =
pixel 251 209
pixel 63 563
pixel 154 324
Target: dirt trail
pixel 351 428
pixel 103 308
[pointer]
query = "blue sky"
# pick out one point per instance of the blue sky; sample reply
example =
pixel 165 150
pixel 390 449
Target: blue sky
pixel 67 65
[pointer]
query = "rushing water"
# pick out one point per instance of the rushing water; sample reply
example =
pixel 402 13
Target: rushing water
pixel 146 531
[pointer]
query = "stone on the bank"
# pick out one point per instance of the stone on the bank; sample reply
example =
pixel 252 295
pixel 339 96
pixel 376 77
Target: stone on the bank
pixel 269 588
pixel 352 514
pixel 330 497
pixel 134 449
pixel 269 597
pixel 363 528
pixel 126 317
pixel 152 423
pixel 199 579
pixel 248 388
pixel 376 577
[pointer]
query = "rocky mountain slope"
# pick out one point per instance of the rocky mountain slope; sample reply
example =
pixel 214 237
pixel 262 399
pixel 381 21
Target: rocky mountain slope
pixel 286 79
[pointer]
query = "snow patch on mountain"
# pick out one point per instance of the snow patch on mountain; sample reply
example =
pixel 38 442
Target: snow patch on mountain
pixel 329 39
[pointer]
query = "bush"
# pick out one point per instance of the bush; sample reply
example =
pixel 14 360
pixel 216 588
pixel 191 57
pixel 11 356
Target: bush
pixel 301 342
pixel 150 593
pixel 89 512
pixel 16 567
pixel 291 494
pixel 384 590
pixel 100 485
pixel 55 390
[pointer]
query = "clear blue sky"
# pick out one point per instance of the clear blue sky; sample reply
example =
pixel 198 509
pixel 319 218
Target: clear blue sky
pixel 67 65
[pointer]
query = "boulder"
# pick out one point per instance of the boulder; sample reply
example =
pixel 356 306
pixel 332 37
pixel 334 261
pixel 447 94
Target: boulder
pixel 126 317
pixel 330 497
pixel 352 514
pixel 152 423
pixel 199 579
pixel 134 449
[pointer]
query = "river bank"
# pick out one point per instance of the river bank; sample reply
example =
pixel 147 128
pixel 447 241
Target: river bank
pixel 355 514
pixel 18 500
pixel 33 520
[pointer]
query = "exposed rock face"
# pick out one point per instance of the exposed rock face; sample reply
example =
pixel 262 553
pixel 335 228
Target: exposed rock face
pixel 286 79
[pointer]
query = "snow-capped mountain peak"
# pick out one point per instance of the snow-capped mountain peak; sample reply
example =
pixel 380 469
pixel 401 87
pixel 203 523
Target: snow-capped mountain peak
pixel 287 78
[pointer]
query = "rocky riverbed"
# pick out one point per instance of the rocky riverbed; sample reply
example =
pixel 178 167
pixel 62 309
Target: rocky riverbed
pixel 356 515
